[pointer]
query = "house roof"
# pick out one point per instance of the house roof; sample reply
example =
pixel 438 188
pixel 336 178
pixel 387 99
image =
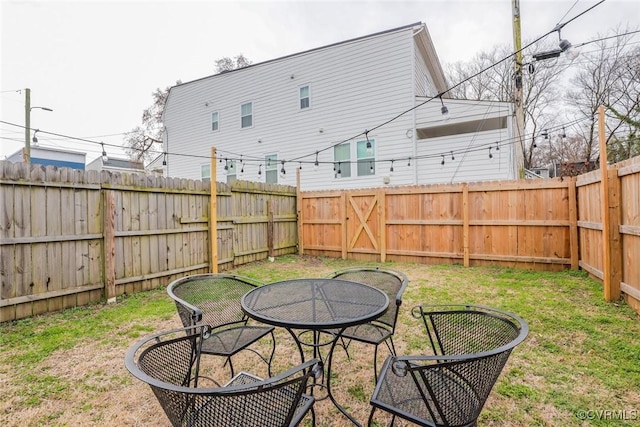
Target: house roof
pixel 404 27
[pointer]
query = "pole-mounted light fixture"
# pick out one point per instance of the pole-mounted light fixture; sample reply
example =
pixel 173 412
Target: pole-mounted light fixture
pixel 565 47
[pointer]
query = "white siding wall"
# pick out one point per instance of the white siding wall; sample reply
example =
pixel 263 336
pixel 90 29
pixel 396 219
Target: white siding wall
pixel 354 86
pixel 424 82
pixel 471 150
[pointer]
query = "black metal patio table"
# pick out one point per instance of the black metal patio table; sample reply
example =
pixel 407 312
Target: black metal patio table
pixel 316 305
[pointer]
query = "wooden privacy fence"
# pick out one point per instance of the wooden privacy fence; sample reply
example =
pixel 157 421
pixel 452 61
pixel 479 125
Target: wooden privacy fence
pixel 530 224
pixel 609 225
pixel 546 224
pixel 71 237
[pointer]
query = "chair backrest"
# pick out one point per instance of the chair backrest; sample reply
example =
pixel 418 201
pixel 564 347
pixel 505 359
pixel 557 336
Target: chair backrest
pixel 469 329
pixel 169 362
pixel 471 345
pixel 390 281
pixel 212 299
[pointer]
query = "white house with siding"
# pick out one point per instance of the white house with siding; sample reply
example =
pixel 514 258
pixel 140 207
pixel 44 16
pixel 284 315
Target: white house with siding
pixel 365 110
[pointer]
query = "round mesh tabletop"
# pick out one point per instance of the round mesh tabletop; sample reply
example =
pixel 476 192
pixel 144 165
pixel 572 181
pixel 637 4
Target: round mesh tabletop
pixel 315 303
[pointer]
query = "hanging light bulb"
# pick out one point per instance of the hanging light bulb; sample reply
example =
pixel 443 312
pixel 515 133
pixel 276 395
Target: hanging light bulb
pixel 442 162
pixel 371 171
pixel 369 145
pixel 105 158
pixel 391 168
pixel 452 158
pixel 545 133
pixel 339 173
pixel 242 169
pixel 564 134
pixel 282 171
pixel 444 110
pixel 164 159
pixel 409 164
pixel 316 164
pixel 497 146
pixel 226 165
pixel 490 155
pixel 260 169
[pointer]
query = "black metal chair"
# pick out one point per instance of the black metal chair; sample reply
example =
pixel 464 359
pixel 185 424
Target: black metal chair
pixel 214 299
pixel 381 330
pixel 169 362
pixel 470 345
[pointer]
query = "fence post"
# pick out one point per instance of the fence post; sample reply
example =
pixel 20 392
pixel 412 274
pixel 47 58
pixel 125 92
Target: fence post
pixel 615 241
pixel 465 223
pixel 343 227
pixel 270 228
pixel 109 246
pixel 611 288
pixel 382 220
pixel 573 223
pixel 299 214
pixel 213 214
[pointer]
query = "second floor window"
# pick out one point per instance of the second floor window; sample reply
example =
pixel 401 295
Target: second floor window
pixel 215 124
pixel 305 97
pixel 246 115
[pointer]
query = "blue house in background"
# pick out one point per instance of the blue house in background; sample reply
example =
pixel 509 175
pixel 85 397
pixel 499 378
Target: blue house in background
pixel 52 156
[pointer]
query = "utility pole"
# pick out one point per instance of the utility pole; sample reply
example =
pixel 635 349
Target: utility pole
pixel 26 152
pixel 517 90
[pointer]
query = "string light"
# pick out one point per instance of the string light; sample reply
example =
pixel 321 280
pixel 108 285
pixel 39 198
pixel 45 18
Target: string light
pixel 490 155
pixel 444 110
pixel 391 168
pixel 316 164
pixel 339 174
pixel 105 158
pixel 282 171
pixel 409 163
pixel 371 167
pixel 164 159
pixel 260 169
pixel 442 162
pixel 369 146
pixel 452 158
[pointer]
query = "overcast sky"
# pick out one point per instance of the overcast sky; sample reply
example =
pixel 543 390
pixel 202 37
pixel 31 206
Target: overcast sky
pixel 96 63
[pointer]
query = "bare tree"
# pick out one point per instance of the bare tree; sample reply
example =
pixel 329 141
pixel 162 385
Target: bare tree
pixel 227 64
pixel 609 75
pixel 144 141
pixel 540 84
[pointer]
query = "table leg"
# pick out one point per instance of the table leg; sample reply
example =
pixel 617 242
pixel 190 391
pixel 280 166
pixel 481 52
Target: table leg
pixel 333 399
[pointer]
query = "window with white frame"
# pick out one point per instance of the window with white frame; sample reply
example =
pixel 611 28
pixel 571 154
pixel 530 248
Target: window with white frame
pixel 246 115
pixel 205 171
pixel 342 160
pixel 305 97
pixel 215 123
pixel 231 171
pixel 271 169
pixel 365 152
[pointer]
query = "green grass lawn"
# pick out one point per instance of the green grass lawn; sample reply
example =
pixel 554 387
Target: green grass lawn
pixel 580 364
